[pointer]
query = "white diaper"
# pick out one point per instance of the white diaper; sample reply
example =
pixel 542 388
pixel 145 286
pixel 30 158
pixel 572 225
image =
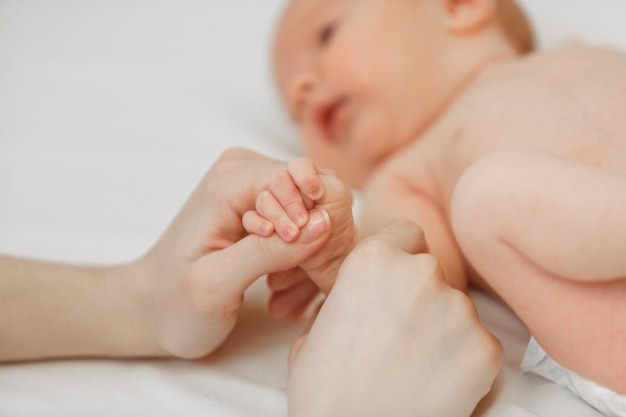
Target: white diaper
pixel 608 402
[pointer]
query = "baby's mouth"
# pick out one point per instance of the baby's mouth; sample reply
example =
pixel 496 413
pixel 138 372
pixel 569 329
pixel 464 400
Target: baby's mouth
pixel 329 120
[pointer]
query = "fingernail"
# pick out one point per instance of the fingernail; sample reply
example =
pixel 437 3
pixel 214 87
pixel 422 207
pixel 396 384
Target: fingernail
pixel 290 233
pixel 318 224
pixel 300 220
pixel 267 229
pixel 317 194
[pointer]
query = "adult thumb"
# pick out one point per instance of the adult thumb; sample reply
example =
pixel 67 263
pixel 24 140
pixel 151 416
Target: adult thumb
pixel 242 263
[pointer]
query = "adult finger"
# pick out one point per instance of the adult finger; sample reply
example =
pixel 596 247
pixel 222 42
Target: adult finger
pixel 404 234
pixel 233 269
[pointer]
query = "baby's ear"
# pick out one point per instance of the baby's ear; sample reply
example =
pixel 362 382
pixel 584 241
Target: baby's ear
pixel 463 16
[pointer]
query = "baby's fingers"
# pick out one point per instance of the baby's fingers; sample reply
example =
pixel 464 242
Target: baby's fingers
pixel 290 198
pixel 269 208
pixel 306 176
pixel 254 224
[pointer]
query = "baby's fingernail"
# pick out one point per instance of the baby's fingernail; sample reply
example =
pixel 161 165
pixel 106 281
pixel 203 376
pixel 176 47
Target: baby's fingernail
pixel 317 193
pixel 319 223
pixel 300 219
pixel 290 233
pixel 267 228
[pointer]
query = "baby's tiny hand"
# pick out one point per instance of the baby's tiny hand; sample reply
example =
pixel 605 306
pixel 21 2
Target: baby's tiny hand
pixel 284 206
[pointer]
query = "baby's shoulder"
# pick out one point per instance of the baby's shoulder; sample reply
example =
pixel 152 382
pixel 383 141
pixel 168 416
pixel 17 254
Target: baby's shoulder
pixel 515 86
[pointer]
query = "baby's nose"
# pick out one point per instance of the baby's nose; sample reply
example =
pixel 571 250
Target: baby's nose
pixel 301 89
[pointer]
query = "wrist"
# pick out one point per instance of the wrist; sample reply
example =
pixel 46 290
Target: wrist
pixel 137 286
pixel 323 268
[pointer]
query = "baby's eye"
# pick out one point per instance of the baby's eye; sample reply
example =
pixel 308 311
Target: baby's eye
pixel 327 33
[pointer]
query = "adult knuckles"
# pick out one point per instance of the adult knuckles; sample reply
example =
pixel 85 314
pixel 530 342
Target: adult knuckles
pixel 487 351
pixel 460 303
pixel 487 359
pixel 378 251
pixel 427 265
pixel 236 152
pixel 238 159
pixel 493 352
pixel 374 250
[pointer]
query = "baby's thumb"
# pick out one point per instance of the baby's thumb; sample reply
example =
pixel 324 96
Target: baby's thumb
pixel 254 256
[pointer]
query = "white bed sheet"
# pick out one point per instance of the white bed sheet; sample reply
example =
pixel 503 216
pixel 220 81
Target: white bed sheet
pixel 110 112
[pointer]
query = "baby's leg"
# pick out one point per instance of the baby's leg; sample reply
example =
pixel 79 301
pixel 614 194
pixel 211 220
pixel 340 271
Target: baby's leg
pixel 549 236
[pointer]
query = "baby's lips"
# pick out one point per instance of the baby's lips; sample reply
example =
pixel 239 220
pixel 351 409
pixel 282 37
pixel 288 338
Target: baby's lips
pixel 328 118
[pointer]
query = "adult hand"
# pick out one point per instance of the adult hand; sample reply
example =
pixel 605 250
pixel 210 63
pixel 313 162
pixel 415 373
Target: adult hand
pixel 198 271
pixel 392 339
pixel 180 299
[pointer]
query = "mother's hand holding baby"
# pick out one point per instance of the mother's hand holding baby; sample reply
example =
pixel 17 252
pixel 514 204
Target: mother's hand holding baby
pixel 180 299
pixel 200 268
pixel 392 339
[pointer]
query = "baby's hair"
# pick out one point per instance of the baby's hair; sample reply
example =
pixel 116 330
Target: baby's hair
pixel 516 26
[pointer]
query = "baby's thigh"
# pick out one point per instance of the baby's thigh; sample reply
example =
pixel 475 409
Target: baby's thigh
pixel 490 206
pixel 519 231
pixel 564 217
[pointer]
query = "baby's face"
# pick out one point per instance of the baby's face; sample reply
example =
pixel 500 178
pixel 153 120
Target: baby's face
pixel 357 77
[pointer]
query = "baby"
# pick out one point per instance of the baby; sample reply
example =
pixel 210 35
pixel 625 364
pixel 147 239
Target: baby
pixel 514 163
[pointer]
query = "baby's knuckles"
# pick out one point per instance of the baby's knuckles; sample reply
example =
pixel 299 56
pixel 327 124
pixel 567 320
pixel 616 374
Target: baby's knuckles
pixel 280 181
pixel 306 176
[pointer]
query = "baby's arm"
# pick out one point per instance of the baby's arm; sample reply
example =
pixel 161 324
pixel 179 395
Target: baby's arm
pixel 283 207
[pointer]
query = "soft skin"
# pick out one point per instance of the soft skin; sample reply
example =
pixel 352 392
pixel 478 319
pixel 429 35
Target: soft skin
pixel 514 165
pixel 387 296
pixel 181 300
